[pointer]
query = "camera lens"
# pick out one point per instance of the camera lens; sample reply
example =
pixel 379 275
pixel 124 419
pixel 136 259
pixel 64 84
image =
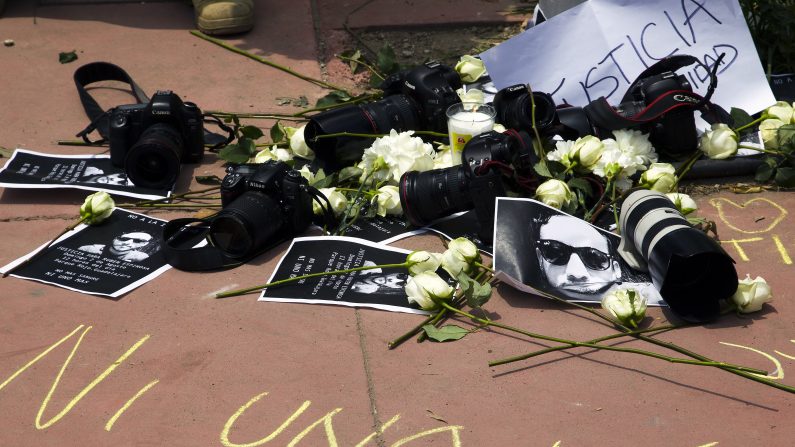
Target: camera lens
pixel 154 160
pixel 691 271
pixel 515 111
pixel 393 112
pixel 429 195
pixel 246 225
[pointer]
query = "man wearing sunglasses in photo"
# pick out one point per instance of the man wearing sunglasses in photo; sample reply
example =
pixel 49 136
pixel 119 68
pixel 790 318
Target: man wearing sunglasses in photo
pixel 133 246
pixel 574 257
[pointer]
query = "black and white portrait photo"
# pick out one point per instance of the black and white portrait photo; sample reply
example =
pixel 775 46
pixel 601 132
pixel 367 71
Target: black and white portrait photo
pixel 555 253
pixel 378 288
pixel 111 258
pixel 33 170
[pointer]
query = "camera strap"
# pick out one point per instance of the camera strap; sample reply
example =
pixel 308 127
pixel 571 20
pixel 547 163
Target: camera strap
pixel 605 116
pixel 100 119
pixel 181 237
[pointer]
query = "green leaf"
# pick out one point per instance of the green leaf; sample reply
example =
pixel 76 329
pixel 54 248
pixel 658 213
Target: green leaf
pixel 252 132
pixel 326 182
pixel 786 135
pixel 208 180
pixel 785 177
pixel 302 101
pixel 740 117
pixel 765 171
pixel 581 184
pixel 465 283
pixel 386 60
pixel 445 333
pixel 234 153
pixel 248 145
pixel 481 293
pixel 278 133
pixel 350 173
pixel 67 56
pixel 542 169
pixel 333 98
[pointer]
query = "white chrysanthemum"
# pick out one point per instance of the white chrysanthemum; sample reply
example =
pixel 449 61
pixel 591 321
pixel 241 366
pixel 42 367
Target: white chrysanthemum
pixel 614 166
pixel 562 152
pixel 392 155
pixel 635 145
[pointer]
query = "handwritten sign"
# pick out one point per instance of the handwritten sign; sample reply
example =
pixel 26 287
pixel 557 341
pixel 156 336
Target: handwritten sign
pixel 599 47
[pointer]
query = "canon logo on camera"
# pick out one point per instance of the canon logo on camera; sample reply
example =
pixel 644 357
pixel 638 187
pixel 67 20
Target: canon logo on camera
pixel 686 98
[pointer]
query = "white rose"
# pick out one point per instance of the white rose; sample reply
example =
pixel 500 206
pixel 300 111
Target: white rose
pixel 769 129
pixel 626 305
pixel 659 177
pixel 499 128
pixel 96 208
pixel 388 200
pixel 426 289
pixel 470 68
pixel 275 153
pixel 444 158
pixel 298 144
pixel 587 150
pixel 310 176
pixel 683 202
pixel 471 95
pixel 337 199
pixel 719 143
pixel 423 261
pixel 461 253
pixel 782 111
pixel 751 294
pixel 554 193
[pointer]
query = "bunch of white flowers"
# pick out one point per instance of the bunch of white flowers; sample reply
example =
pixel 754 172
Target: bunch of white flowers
pixel 777 115
pixel 425 287
pixel 391 156
pixel 623 156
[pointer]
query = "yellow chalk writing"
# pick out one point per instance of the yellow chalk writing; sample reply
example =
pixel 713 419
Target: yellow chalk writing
pixel 785 355
pixel 777 374
pixel 129 403
pixel 736 243
pixel 379 432
pixel 326 420
pixel 719 205
pixel 39 357
pixel 231 421
pixel 782 250
pixel 84 391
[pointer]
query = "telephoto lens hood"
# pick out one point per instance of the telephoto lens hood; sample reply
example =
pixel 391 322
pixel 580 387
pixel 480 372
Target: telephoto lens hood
pixel 691 270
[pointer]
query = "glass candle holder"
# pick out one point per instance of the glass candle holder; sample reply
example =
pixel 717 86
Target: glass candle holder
pixel 464 121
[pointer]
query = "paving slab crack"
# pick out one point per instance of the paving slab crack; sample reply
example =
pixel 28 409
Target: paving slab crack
pixel 379 440
pixel 30 218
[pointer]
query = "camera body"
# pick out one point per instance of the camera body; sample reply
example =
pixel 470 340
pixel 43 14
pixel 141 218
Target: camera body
pixel 674 131
pixel 151 140
pixel 416 99
pixel 263 204
pixel 432 89
pixel 426 196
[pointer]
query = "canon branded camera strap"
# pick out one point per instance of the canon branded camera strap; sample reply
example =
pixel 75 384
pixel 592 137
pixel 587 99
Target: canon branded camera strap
pixel 608 118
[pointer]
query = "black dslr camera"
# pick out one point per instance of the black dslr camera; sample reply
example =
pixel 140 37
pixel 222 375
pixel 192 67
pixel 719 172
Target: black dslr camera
pixel 263 205
pixel 413 100
pixel 151 140
pixel 660 103
pixel 475 183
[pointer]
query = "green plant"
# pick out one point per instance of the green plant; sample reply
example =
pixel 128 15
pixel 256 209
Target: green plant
pixel 772 25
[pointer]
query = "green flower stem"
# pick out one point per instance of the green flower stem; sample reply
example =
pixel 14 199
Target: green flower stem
pixel 368 192
pixel 679 349
pixel 337 105
pixel 766 151
pixel 685 168
pixel 310 275
pixel 262 60
pixel 591 215
pixel 372 69
pixel 484 267
pixel 752 123
pixel 540 150
pixel 169 205
pixel 264 116
pixel 565 347
pixel 40 251
pixel 573 343
pixel 615 208
pixel 344 223
pixel 376 135
pixel 458 301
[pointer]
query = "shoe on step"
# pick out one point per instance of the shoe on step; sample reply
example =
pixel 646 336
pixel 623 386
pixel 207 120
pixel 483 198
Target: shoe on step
pixel 219 17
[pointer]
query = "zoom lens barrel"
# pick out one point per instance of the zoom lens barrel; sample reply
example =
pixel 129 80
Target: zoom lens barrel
pixel 154 160
pixel 429 195
pixel 246 225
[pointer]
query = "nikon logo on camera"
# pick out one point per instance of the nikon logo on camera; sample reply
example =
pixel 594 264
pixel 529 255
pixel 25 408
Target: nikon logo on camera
pixel 686 98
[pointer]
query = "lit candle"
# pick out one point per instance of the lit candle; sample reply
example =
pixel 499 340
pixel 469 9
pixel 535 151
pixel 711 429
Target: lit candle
pixel 464 121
